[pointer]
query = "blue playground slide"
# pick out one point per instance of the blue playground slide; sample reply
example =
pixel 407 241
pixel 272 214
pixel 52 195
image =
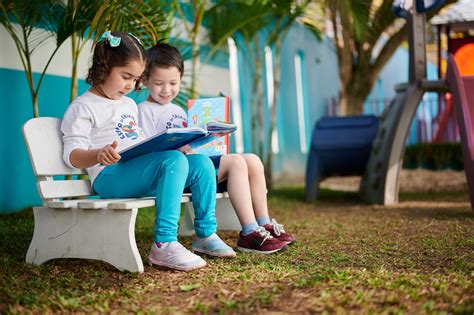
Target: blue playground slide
pixel 340 146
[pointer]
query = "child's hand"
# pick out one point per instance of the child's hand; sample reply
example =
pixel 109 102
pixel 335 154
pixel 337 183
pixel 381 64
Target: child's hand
pixel 186 150
pixel 107 155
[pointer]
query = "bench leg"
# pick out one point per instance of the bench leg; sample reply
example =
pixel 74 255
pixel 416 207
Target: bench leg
pixel 227 220
pixel 107 235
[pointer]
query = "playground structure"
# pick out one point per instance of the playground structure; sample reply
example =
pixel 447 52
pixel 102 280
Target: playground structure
pixel 380 181
pixel 462 89
pixel 454 33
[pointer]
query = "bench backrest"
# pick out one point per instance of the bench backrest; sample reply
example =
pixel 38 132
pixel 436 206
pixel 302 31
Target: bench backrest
pixel 43 139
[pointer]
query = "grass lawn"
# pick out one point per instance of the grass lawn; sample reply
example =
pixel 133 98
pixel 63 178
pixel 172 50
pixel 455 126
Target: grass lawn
pixel 416 257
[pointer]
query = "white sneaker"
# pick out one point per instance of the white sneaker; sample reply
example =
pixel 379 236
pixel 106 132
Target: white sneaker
pixel 213 246
pixel 175 256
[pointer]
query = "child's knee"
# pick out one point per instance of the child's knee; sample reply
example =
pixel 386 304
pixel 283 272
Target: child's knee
pixel 253 162
pixel 172 160
pixel 236 162
pixel 200 161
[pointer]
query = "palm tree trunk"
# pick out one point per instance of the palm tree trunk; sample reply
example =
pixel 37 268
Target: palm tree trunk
pixel 257 95
pixel 352 96
pixel 259 101
pixel 198 10
pixel 35 106
pixel 194 65
pixel 31 86
pixel 29 73
pixel 255 104
pixel 276 89
pixel 75 55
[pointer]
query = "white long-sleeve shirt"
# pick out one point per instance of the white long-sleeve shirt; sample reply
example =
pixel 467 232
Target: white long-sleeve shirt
pixel 155 118
pixel 92 122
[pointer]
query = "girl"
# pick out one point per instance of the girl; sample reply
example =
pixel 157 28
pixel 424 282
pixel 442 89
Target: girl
pixel 243 172
pixel 102 121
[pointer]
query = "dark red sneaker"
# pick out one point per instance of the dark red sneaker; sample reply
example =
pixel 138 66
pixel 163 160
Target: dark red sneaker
pixel 259 241
pixel 277 231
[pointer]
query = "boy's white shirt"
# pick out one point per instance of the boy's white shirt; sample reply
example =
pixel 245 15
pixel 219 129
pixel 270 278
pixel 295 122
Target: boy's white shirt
pixel 92 122
pixel 155 118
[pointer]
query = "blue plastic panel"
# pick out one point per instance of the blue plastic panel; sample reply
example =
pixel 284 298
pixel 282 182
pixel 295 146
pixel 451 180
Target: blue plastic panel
pixel 423 6
pixel 342 133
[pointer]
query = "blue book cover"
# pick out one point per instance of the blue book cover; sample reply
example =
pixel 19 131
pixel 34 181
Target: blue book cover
pixel 205 110
pixel 170 139
pixel 175 138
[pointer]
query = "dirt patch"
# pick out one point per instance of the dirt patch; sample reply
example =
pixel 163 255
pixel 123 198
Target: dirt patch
pixel 419 180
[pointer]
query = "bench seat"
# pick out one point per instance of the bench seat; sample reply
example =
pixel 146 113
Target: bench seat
pixel 73 223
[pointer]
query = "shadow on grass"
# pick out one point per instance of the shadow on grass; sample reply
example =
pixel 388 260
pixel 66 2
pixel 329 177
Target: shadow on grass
pixel 450 196
pixel 16 231
pixel 439 206
pixel 28 285
pixel 296 193
pixel 442 213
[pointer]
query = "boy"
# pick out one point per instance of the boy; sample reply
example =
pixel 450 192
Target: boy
pixel 244 173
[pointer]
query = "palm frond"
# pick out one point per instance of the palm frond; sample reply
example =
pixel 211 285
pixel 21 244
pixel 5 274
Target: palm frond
pixel 360 12
pixel 239 20
pixel 147 20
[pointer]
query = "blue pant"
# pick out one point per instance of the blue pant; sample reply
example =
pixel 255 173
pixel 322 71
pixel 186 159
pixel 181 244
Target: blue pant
pixel 165 175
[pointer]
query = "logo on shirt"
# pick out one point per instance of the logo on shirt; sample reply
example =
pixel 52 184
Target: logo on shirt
pixel 127 128
pixel 176 121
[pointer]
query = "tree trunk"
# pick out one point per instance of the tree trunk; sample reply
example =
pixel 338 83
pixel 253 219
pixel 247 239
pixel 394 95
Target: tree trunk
pixel 75 57
pixel 257 95
pixel 351 102
pixel 198 11
pixel 276 90
pixel 33 91
pixel 260 109
pixel 352 96
pixel 253 104
pixel 194 65
pixel 35 106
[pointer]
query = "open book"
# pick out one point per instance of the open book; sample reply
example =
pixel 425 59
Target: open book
pixel 175 138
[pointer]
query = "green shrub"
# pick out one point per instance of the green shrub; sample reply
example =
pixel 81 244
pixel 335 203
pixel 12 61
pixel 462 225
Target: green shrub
pixel 435 156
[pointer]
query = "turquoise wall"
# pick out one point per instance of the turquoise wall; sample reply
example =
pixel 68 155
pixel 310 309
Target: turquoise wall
pixel 18 185
pixel 320 84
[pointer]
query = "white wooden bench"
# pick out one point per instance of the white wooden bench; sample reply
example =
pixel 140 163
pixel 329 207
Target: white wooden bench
pixel 70 224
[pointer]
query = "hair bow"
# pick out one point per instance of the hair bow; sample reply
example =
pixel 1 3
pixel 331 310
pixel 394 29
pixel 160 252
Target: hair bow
pixel 114 41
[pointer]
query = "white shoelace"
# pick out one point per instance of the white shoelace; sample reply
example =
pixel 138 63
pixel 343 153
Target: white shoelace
pixel 277 227
pixel 264 233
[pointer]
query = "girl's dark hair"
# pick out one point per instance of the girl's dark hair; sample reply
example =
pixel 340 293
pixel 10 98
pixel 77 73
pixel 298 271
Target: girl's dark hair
pixel 164 56
pixel 107 57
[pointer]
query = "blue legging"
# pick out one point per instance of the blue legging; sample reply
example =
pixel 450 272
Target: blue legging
pixel 165 175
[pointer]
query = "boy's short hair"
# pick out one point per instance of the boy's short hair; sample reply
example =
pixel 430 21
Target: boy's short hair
pixel 164 56
pixel 106 57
